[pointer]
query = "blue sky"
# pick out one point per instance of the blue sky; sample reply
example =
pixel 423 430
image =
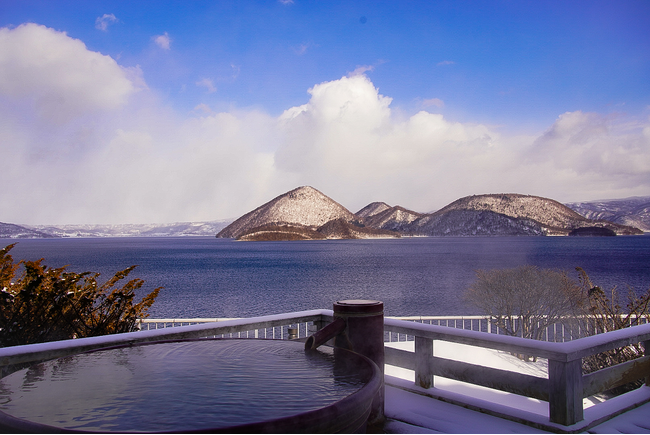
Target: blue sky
pixel 203 110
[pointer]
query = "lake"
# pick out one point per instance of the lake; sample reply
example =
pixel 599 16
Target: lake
pixel 209 277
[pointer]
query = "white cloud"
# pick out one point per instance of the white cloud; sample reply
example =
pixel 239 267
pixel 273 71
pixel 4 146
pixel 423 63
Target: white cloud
pixel 207 83
pixel 58 76
pixel 347 141
pixel 163 41
pixel 119 155
pixel 601 156
pixel 100 147
pixel 446 62
pixel 102 23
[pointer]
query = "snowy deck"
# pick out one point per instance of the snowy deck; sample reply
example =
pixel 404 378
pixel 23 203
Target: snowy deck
pixel 408 412
pixel 410 409
pixel 449 406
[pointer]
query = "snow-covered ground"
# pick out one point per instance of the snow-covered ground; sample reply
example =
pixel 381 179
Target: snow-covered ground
pixel 409 412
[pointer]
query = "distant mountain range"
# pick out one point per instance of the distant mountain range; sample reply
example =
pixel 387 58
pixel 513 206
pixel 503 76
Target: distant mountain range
pixel 306 214
pixel 633 211
pixel 121 230
pixel 11 231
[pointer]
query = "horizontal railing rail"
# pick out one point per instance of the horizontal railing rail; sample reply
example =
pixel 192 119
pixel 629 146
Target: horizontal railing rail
pixel 568 330
pixel 565 386
pixel 287 325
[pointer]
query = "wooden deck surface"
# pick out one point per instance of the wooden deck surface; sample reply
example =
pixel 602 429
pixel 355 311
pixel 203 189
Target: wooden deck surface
pixel 408 412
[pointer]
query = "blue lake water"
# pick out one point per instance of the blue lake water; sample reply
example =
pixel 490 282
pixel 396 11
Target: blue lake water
pixel 209 277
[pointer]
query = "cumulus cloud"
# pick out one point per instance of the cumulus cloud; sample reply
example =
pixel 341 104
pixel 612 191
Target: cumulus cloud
pixel 101 148
pixel 102 23
pixel 347 140
pixel 597 153
pixel 163 41
pixel 57 75
pixel 117 155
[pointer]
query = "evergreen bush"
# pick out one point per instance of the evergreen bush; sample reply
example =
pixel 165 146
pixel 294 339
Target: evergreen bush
pixel 47 304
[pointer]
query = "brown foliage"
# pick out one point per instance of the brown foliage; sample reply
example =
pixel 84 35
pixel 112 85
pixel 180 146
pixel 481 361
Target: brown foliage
pixel 603 314
pixel 46 304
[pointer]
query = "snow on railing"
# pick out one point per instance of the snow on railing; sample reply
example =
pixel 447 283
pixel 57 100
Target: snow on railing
pixel 567 330
pixel 288 331
pixel 281 326
pixel 570 328
pixel 564 387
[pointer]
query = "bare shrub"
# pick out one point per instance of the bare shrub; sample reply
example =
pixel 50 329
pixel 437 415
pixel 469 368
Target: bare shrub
pixel 526 300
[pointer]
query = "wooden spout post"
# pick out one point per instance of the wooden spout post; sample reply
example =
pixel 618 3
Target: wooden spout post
pixel 365 335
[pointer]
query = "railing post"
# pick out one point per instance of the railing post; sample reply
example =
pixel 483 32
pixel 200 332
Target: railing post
pixel 565 391
pixel 646 351
pixel 423 353
pixel 320 324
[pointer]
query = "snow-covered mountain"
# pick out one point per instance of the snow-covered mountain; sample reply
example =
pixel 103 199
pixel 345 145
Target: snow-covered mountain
pixel 306 213
pixel 304 206
pixel 392 218
pixel 372 209
pixel 633 211
pixel 134 230
pixel 517 214
pixel 463 222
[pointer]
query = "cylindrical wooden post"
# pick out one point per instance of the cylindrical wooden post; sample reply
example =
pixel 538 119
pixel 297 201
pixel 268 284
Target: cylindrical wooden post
pixel 365 335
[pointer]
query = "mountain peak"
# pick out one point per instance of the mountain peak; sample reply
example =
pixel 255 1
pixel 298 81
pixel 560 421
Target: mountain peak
pixel 552 217
pixel 372 209
pixel 303 192
pixel 544 210
pixel 304 206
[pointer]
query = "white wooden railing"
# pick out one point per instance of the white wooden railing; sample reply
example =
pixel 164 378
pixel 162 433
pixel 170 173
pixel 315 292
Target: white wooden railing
pixel 563 388
pixel 558 333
